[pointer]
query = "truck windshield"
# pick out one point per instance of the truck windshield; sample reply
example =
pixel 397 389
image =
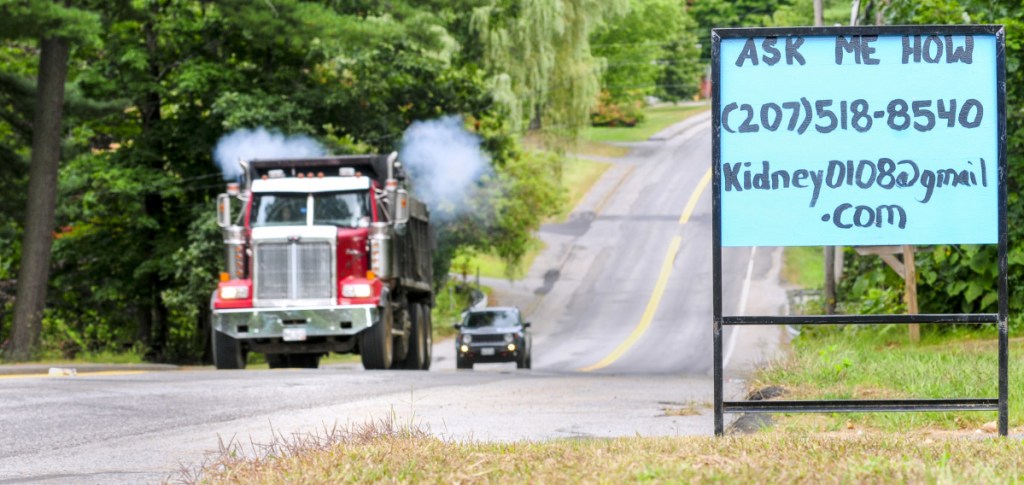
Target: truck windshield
pixel 496 318
pixel 279 209
pixel 343 209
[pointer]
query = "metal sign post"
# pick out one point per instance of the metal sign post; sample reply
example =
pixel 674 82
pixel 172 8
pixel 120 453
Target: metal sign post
pixel 859 136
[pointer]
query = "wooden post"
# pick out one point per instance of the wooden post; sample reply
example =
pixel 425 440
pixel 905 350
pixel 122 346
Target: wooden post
pixel 910 286
pixel 906 269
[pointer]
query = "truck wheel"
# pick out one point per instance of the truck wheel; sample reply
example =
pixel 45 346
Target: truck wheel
pixel 376 342
pixel 417 352
pixel 227 352
pixel 404 321
pixel 429 334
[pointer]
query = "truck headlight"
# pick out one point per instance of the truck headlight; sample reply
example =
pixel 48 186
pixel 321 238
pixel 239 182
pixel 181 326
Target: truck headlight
pixel 509 338
pixel 467 339
pixel 359 290
pixel 234 292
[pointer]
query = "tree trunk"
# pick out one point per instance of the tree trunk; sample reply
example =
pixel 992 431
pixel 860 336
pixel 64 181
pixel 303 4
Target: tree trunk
pixel 157 332
pixel 33 275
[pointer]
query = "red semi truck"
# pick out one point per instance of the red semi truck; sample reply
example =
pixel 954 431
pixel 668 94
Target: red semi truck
pixel 328 254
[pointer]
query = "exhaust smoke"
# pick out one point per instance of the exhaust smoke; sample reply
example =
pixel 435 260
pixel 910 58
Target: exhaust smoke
pixel 445 161
pixel 246 144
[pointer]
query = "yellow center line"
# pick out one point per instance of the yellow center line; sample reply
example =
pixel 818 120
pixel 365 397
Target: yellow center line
pixel 652 306
pixel 692 203
pixel 659 287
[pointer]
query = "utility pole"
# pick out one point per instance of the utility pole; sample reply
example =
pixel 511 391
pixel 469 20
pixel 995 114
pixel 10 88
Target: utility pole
pixel 910 289
pixel 830 280
pixel 819 18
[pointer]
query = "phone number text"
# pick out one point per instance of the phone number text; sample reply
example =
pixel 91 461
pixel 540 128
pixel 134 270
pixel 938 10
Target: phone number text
pixel 826 115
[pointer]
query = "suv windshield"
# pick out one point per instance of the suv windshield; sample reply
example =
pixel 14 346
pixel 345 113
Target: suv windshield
pixel 496 318
pixel 343 209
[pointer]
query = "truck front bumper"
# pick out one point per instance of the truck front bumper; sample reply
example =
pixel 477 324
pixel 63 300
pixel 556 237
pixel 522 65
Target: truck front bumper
pixel 274 323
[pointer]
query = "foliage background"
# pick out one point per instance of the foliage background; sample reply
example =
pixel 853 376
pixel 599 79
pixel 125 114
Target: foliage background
pixel 153 84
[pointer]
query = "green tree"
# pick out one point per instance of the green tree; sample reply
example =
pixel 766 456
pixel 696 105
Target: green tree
pixel 135 249
pixel 651 50
pixel 56 27
pixel 711 14
pixel 539 62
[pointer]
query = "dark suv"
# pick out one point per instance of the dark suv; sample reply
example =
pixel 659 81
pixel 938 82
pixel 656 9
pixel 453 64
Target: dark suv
pixel 495 334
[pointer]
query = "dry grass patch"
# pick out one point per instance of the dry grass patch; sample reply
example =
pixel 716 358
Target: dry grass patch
pixel 386 453
pixel 690 408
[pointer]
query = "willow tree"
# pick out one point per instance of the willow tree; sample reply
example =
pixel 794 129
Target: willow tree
pixel 537 54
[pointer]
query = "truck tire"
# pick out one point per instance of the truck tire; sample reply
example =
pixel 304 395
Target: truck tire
pixel 417 353
pixel 429 334
pixel 376 343
pixel 227 352
pixel 404 321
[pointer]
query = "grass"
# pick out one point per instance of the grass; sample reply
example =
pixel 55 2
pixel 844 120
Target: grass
pixel 804 266
pixel 101 357
pixel 578 176
pixel 656 120
pixel 385 452
pixel 491 266
pixel 535 142
pixel 599 149
pixel 863 363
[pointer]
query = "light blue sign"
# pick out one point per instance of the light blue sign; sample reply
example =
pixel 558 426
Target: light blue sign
pixel 859 140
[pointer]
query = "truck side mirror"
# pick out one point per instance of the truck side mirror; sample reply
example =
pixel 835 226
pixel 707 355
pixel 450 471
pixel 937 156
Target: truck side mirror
pixel 457 326
pixel 223 210
pixel 526 325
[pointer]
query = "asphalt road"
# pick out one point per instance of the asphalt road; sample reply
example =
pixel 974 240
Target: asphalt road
pixel 621 309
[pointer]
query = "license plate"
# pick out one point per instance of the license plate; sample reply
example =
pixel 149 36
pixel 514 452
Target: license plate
pixel 294 334
pixel 486 351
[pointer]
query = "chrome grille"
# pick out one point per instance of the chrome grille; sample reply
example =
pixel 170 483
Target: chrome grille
pixel 314 277
pixel 272 271
pixel 295 270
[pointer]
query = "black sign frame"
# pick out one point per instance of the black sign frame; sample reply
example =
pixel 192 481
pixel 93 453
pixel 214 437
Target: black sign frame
pixel 1001 318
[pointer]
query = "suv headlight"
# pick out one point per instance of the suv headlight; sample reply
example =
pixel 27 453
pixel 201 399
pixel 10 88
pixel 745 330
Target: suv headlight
pixel 234 292
pixel 467 339
pixel 509 338
pixel 358 290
